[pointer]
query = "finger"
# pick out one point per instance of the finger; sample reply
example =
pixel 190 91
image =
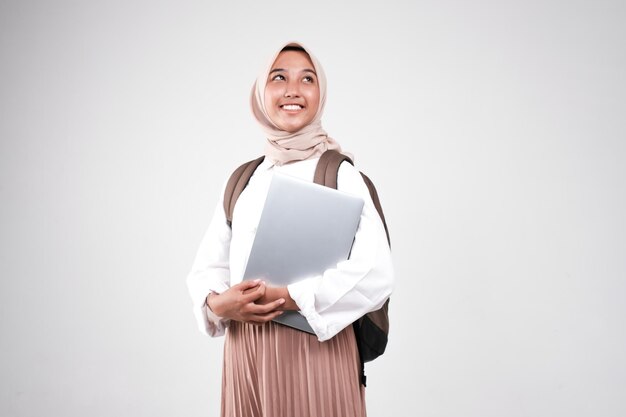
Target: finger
pixel 244 285
pixel 249 290
pixel 254 294
pixel 257 288
pixel 266 308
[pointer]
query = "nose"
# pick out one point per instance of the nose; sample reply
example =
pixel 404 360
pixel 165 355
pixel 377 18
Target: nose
pixel 292 89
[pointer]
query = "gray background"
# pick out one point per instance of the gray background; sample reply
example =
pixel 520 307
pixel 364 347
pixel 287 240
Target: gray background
pixel 494 131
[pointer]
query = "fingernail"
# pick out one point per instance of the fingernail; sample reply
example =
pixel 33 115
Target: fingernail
pixel 281 301
pixel 257 280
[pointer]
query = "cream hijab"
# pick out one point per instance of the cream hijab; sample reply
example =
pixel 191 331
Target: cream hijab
pixel 284 147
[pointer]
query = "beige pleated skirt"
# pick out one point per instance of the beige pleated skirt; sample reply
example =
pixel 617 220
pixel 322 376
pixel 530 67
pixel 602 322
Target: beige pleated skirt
pixel 275 371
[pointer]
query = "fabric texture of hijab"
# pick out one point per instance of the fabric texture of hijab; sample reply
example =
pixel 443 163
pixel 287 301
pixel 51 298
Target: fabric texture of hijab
pixel 283 147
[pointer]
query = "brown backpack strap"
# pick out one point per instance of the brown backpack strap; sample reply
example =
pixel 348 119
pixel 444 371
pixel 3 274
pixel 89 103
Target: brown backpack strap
pixel 328 168
pixel 379 208
pixel 236 183
pixel 326 174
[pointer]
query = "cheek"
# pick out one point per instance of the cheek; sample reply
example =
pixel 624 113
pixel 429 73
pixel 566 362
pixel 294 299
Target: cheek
pixel 267 97
pixel 271 96
pixel 313 98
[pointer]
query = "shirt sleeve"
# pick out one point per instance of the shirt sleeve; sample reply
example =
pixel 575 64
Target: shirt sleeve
pixel 211 272
pixel 361 284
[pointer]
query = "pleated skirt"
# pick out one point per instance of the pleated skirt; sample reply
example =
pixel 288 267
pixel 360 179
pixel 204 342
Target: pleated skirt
pixel 275 371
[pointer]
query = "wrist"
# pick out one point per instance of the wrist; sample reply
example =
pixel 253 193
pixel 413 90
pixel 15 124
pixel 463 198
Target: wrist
pixel 211 304
pixel 290 304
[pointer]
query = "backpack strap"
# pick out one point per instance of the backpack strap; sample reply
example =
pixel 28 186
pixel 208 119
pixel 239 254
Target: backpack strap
pixel 236 183
pixel 327 171
pixel 379 207
pixel 327 168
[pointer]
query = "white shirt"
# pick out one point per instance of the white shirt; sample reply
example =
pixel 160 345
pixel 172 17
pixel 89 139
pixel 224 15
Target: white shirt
pixel 330 301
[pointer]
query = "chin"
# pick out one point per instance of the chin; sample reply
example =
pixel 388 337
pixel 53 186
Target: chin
pixel 291 128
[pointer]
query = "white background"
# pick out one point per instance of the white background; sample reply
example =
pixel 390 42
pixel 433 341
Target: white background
pixel 494 131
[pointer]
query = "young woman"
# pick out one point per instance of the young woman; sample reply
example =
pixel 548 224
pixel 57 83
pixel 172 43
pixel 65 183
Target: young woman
pixel 272 370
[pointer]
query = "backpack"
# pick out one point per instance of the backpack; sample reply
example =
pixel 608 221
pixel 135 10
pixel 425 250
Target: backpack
pixel 372 329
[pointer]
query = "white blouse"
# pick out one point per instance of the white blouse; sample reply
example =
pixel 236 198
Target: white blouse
pixel 330 301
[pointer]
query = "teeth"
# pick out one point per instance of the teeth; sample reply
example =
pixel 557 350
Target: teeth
pixel 291 107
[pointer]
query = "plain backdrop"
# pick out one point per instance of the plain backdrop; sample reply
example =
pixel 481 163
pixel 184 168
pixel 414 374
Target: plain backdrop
pixel 494 131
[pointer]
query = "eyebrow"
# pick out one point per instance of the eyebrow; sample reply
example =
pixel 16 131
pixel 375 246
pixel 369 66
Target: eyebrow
pixel 282 69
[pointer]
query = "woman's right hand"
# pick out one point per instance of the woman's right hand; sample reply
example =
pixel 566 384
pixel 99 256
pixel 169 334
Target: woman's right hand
pixel 235 305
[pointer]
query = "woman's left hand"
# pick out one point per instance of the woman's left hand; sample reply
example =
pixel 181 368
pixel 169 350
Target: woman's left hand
pixel 273 294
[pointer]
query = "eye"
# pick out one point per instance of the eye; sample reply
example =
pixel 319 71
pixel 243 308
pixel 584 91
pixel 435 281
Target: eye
pixel 309 79
pixel 278 77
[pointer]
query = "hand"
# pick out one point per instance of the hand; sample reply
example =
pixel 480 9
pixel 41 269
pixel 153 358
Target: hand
pixel 238 303
pixel 274 293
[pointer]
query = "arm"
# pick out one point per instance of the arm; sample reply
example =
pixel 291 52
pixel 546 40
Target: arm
pixel 215 303
pixel 361 284
pixel 210 273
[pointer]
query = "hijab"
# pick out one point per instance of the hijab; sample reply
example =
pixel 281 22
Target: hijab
pixel 284 147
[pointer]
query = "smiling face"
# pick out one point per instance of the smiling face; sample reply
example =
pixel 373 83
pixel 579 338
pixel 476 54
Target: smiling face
pixel 292 93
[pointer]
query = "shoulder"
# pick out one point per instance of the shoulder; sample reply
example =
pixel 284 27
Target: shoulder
pixel 347 170
pixel 349 179
pixel 245 171
pixel 250 165
pixel 236 174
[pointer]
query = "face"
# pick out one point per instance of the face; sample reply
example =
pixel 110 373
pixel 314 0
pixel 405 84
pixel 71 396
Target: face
pixel 292 93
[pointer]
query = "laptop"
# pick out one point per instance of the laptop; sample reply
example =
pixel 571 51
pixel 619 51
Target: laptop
pixel 304 229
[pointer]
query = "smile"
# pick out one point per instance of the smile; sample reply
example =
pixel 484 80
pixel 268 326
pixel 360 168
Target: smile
pixel 291 107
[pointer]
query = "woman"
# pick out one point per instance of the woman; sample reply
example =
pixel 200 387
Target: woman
pixel 270 369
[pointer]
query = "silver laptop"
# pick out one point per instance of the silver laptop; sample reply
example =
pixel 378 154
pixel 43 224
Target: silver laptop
pixel 305 229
